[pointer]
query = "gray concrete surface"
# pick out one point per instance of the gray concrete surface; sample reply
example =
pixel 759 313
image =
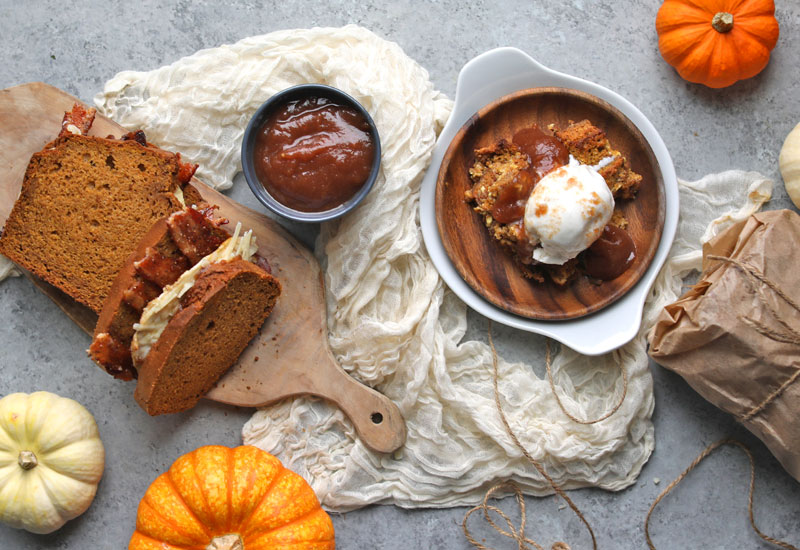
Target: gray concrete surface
pixel 77 46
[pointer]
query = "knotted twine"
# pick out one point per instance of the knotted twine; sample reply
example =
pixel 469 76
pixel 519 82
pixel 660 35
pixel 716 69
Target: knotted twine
pixel 790 336
pixel 519 535
pixel 787 335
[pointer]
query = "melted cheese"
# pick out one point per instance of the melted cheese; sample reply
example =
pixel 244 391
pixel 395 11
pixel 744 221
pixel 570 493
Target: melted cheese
pixel 160 311
pixel 179 195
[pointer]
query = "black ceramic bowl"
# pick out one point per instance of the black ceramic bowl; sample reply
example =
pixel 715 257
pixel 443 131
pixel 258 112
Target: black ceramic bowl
pixel 262 114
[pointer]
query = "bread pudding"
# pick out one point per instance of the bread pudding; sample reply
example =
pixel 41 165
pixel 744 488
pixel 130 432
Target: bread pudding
pixel 539 198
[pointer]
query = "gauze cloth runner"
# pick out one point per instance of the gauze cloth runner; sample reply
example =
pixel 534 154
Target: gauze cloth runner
pixel 8 268
pixel 392 322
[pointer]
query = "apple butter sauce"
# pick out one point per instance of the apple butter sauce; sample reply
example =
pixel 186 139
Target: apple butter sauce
pixel 545 153
pixel 313 154
pixel 610 255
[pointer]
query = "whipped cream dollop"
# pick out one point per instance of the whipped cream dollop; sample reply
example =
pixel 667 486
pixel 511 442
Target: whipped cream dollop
pixel 566 212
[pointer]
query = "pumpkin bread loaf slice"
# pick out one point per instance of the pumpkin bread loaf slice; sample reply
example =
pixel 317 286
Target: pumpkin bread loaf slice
pixel 84 205
pixel 219 315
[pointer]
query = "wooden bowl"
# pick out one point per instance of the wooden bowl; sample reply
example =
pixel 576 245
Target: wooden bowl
pixel 480 260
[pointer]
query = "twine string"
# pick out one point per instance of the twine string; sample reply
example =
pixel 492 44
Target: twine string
pixel 702 456
pixel 752 276
pixel 523 542
pixel 561 406
pixel 790 336
pixel 770 398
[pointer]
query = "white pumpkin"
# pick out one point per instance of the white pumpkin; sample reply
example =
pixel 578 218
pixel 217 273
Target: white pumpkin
pixel 51 460
pixel 789 163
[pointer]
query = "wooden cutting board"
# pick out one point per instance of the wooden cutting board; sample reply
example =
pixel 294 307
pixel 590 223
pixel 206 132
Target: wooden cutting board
pixel 290 356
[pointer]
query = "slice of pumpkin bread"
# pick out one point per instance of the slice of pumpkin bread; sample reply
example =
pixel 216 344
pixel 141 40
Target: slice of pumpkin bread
pixel 219 315
pixel 85 203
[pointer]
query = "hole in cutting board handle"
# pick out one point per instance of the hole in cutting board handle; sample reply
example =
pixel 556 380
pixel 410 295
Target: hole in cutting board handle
pixel 376 418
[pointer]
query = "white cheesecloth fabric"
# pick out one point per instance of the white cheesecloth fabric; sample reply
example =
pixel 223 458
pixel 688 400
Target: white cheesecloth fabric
pixel 8 268
pixel 392 322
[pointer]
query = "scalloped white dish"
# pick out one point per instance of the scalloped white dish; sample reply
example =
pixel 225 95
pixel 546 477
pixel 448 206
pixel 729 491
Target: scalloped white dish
pixel 485 79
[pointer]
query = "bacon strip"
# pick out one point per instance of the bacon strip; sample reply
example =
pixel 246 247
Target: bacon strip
pixel 114 356
pixel 140 293
pixel 185 170
pixel 195 233
pixel 159 269
pixel 262 262
pixel 78 120
pixel 207 210
pixel 137 136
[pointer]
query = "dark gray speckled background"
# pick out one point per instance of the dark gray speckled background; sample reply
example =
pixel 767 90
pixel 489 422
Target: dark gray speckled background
pixel 77 46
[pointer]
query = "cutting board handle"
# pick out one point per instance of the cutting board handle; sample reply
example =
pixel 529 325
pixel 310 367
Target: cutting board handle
pixel 375 417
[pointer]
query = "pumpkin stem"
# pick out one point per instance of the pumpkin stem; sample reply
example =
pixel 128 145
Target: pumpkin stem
pixel 226 542
pixel 722 21
pixel 27 460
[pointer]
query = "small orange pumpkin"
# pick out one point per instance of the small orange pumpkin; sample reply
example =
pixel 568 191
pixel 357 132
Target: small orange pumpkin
pixel 717 42
pixel 218 498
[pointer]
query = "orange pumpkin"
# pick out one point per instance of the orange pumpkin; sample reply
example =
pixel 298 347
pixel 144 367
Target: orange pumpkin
pixel 218 498
pixel 717 42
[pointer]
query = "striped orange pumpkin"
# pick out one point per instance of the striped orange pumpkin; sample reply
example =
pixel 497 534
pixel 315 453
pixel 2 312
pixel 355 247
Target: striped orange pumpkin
pixel 221 498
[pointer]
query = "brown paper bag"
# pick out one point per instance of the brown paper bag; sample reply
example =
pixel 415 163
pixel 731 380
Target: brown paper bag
pixel 735 339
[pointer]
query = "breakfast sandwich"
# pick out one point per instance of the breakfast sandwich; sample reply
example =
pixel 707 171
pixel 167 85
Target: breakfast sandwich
pixel 182 309
pixel 105 220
